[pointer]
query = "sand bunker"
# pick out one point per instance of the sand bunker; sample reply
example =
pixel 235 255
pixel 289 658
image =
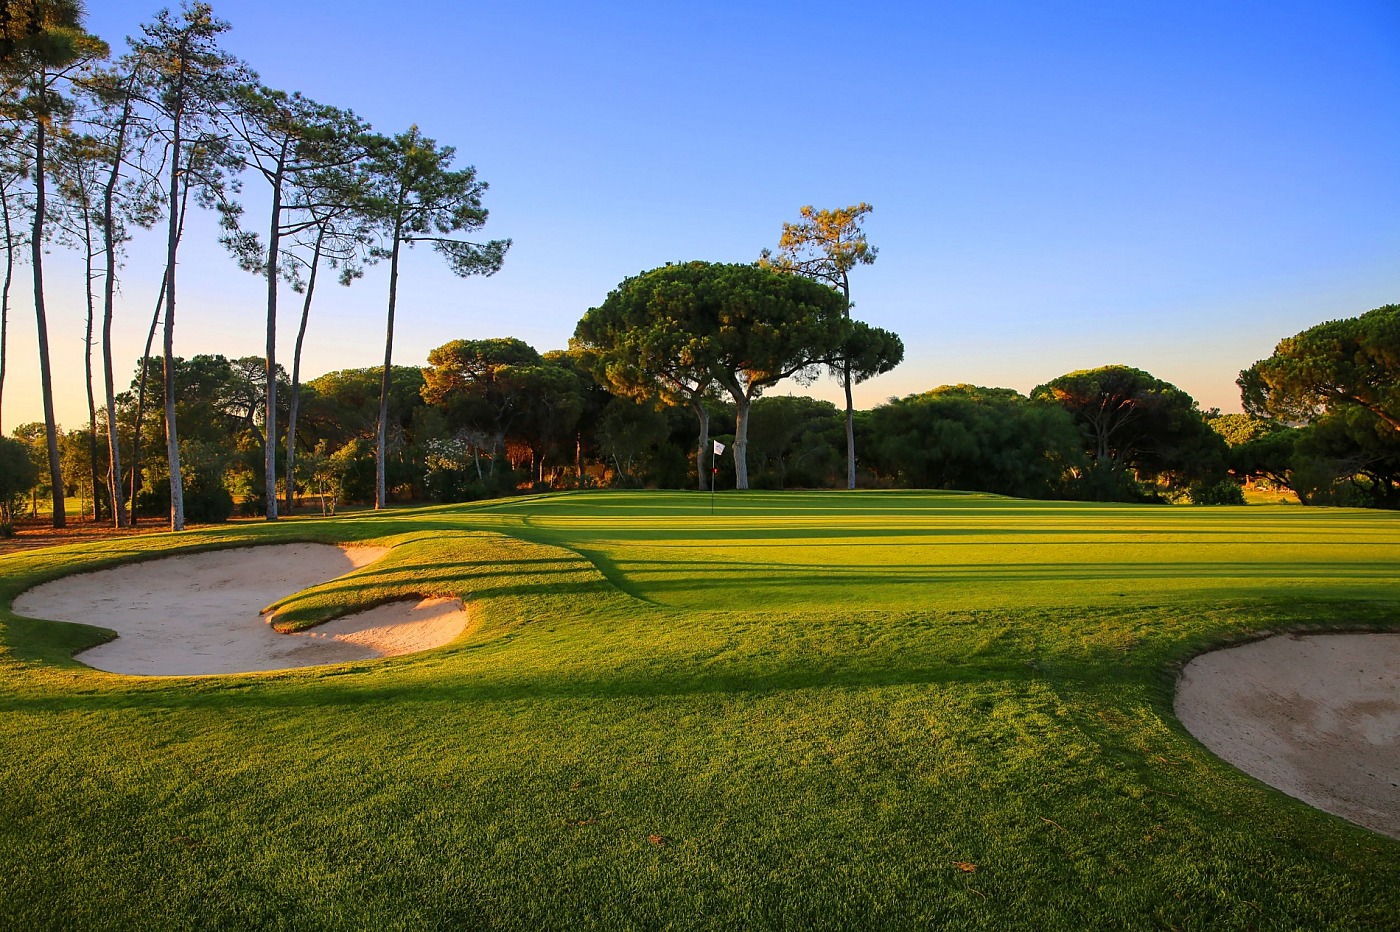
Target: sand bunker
pixel 1316 716
pixel 199 613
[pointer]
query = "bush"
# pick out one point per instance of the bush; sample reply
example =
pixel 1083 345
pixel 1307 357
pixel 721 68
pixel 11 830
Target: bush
pixel 462 485
pixel 208 506
pixel 202 506
pixel 1224 492
pixel 252 505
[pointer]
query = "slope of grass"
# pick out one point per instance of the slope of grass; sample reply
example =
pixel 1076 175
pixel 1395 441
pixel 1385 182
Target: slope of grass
pixel 814 711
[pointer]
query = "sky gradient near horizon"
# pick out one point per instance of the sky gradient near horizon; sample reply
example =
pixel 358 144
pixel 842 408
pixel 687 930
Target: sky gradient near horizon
pixel 1056 185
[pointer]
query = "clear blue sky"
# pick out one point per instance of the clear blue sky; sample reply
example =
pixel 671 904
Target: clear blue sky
pixel 1056 185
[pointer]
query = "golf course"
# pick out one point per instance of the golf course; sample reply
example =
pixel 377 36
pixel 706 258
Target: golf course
pixel 805 710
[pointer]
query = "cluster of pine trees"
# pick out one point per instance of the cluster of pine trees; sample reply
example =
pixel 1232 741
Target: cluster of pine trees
pixel 94 145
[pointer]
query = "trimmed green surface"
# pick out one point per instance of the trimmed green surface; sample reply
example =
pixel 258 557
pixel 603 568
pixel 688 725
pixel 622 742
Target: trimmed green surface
pixel 825 707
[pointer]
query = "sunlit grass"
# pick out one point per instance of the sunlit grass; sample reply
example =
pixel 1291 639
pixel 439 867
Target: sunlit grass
pixel 896 710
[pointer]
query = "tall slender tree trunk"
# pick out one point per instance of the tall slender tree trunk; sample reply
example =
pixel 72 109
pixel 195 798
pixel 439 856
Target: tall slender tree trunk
pixel 91 302
pixel 742 403
pixel 704 452
pixel 172 439
pixel 141 404
pixel 846 381
pixel 850 426
pixel 41 320
pixel 295 404
pixel 109 286
pixel 87 377
pixel 381 498
pixel 5 293
pixel 274 235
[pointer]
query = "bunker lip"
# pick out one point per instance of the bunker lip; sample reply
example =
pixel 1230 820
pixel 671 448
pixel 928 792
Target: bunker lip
pixel 200 613
pixel 1316 716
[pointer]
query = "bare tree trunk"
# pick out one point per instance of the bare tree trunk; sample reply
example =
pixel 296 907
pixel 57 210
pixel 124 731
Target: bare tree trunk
pixel 109 286
pixel 846 381
pixel 41 320
pixel 850 427
pixel 742 404
pixel 270 404
pixel 296 375
pixel 704 452
pixel 5 290
pixel 381 498
pixel 87 368
pixel 172 440
pixel 141 405
pixel 114 455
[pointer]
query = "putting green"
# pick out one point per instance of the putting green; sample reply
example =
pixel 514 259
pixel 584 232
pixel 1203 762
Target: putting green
pixel 901 551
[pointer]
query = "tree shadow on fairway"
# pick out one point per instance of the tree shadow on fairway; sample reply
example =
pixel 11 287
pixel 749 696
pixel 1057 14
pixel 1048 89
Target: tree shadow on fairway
pixel 331 690
pixel 722 656
pixel 655 580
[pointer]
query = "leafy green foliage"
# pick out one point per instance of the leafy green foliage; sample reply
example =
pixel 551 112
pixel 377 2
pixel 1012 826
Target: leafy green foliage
pixel 342 407
pixel 1224 492
pixel 1348 456
pixel 1335 365
pixel 494 391
pixel 681 328
pixel 1341 378
pixel 18 474
pixel 796 442
pixel 978 439
pixel 1135 427
pixel 632 436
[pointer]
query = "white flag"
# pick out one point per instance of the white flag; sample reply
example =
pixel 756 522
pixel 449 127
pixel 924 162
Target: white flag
pixel 719 448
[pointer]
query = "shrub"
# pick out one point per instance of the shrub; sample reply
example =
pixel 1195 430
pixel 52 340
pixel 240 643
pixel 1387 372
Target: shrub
pixel 202 506
pixel 1224 492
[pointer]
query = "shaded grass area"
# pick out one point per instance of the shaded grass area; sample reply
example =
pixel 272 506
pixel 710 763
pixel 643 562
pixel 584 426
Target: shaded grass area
pixel 608 749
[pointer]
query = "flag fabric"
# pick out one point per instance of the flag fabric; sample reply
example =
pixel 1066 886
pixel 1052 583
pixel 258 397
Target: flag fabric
pixel 719 448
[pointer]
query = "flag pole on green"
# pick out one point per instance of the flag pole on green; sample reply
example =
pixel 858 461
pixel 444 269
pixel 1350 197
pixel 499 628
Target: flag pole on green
pixel 714 475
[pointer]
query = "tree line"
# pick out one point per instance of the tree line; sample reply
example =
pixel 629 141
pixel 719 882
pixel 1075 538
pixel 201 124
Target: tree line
pixel 93 147
pixel 489 417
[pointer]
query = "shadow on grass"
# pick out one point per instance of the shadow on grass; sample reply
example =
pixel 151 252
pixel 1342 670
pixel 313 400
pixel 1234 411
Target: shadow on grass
pixel 329 689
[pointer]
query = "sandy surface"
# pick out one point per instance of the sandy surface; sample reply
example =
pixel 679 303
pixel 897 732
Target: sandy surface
pixel 199 613
pixel 1317 716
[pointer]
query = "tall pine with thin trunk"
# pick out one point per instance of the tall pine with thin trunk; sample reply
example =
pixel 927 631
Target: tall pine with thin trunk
pixel 43 45
pixel 825 245
pixel 415 197
pixel 288 140
pixel 189 88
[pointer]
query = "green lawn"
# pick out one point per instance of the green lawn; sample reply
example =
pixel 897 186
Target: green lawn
pixel 809 711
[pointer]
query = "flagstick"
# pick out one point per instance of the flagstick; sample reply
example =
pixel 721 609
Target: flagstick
pixel 714 473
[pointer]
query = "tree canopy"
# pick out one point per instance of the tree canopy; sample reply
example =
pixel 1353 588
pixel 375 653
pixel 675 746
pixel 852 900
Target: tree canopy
pixel 1340 363
pixel 742 327
pixel 1136 426
pixel 825 245
pixel 981 439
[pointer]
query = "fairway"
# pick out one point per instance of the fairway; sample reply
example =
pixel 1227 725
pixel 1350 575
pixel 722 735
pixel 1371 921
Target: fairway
pixel 806 711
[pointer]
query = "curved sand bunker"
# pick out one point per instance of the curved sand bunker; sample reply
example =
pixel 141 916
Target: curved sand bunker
pixel 200 613
pixel 1316 716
